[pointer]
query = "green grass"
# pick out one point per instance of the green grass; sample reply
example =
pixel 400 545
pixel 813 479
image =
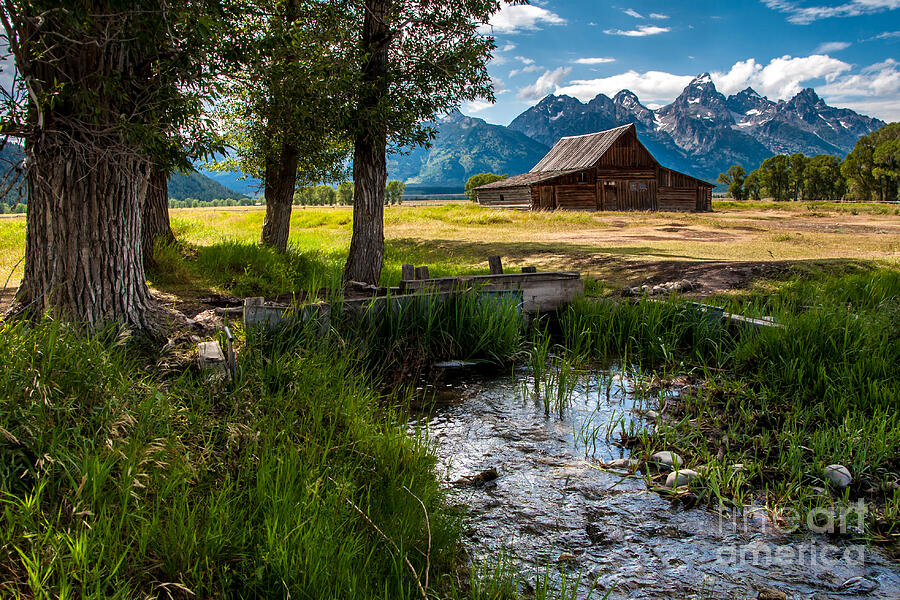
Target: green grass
pixel 118 483
pixel 785 402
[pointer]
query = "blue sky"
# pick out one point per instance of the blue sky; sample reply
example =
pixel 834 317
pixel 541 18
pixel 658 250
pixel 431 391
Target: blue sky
pixel 849 51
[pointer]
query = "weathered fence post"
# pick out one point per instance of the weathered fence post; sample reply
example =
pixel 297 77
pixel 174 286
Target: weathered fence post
pixel 529 269
pixel 496 265
pixel 422 273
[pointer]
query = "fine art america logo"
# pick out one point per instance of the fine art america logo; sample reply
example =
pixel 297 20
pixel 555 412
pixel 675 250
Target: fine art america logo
pixel 813 551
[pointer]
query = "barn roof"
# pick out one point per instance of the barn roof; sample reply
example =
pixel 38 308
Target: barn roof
pixel 580 151
pixel 524 179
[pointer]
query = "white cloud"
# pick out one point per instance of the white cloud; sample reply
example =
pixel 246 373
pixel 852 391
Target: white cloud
pixel 545 84
pixel 525 69
pixel 887 35
pixel 524 60
pixel 804 15
pixel 475 106
pixel 827 47
pixel 782 78
pixel 658 16
pixel 499 86
pixel 508 47
pixel 652 86
pixel 642 31
pixel 879 80
pixel 514 18
pixel 633 13
pixel 593 61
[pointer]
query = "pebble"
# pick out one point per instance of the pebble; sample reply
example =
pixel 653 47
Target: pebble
pixel 566 557
pixel 838 475
pixel 667 459
pixel 771 594
pixel 682 477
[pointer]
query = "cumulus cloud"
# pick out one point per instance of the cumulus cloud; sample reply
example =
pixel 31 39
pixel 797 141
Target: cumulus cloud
pixel 593 61
pixel 633 13
pixel 804 15
pixel 545 84
pixel 652 86
pixel 782 78
pixel 658 16
pixel 827 47
pixel 642 31
pixel 515 18
pixel 508 47
pixel 524 60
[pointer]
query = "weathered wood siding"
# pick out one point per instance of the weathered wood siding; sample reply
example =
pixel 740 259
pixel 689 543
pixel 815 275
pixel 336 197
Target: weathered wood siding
pixel 518 197
pixel 678 191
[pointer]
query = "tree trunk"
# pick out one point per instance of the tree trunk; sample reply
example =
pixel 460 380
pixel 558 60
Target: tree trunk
pixel 369 160
pixel 280 179
pixel 155 224
pixel 83 253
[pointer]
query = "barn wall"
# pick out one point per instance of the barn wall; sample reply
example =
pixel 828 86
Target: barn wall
pixel 627 152
pixel 517 197
pixel 677 198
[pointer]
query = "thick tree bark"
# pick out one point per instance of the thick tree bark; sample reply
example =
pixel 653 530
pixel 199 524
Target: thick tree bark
pixel 280 180
pixel 155 225
pixel 370 144
pixel 83 254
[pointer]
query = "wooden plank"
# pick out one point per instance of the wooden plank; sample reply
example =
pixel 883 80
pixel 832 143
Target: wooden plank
pixel 496 265
pixel 529 269
pixel 407 273
pixel 421 273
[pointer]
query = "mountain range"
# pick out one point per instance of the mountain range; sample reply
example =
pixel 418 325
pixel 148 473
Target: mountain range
pixel 702 132
pixel 181 186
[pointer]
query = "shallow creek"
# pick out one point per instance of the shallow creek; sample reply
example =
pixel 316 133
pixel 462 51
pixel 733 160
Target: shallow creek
pixel 550 500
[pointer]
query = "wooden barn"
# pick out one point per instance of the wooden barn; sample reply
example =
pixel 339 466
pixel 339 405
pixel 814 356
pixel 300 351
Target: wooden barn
pixel 608 170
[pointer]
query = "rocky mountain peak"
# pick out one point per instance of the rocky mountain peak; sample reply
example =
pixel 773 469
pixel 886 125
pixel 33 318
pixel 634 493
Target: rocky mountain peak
pixel 626 98
pixel 748 100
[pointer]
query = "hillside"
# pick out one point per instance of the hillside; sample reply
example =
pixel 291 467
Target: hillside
pixel 463 147
pixel 193 185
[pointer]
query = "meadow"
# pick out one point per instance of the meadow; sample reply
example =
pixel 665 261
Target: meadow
pixel 126 473
pixel 456 238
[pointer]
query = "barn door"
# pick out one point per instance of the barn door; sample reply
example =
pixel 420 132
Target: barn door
pixel 546 197
pixel 611 199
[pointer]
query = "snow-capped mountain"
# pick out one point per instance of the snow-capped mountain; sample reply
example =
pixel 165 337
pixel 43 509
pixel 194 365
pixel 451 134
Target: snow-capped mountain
pixel 701 132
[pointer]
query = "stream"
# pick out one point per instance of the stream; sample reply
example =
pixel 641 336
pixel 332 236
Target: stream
pixel 550 505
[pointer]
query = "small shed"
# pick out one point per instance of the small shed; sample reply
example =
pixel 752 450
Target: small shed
pixel 607 170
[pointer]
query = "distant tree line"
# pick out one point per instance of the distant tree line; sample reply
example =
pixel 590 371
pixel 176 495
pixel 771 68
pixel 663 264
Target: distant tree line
pixel 325 195
pixel 196 202
pixel 871 172
pixel 18 208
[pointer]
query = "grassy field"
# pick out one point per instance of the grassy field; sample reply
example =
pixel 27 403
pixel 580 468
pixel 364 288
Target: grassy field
pixel 616 248
pixel 126 474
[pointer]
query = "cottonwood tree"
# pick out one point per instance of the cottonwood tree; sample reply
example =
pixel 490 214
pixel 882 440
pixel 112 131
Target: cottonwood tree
pixel 869 177
pixel 104 84
pixel 418 58
pixel 734 179
pixel 285 98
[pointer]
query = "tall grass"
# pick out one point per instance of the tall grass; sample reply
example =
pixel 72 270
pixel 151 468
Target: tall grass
pixel 118 485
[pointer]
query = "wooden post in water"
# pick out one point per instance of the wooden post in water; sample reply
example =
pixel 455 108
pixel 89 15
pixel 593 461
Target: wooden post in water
pixel 422 273
pixel 529 269
pixel 407 273
pixel 496 265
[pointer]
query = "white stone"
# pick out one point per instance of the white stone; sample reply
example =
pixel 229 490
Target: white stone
pixel 838 475
pixel 667 459
pixel 682 477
